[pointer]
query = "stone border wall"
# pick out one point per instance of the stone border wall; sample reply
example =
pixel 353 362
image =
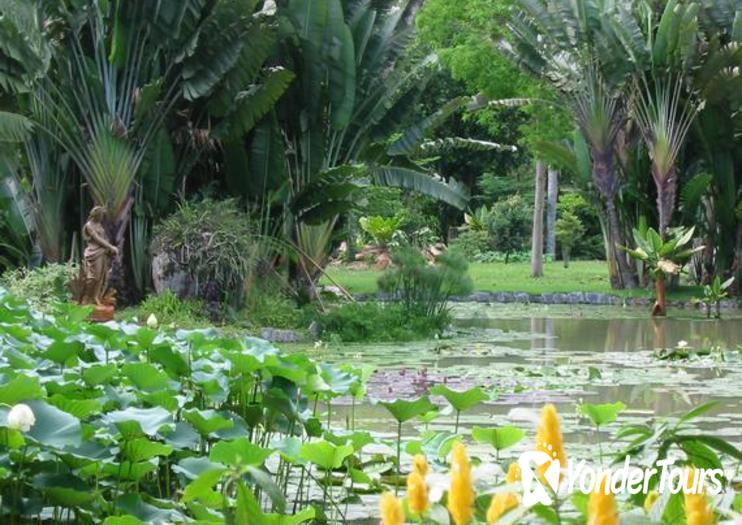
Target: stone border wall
pixel 584 298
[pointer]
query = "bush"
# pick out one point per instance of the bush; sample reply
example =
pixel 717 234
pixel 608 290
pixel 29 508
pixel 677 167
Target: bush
pixel 269 305
pixel 424 289
pixel 511 225
pixel 214 243
pixel 361 322
pixel 42 286
pixel 569 230
pixel 472 243
pixel 170 309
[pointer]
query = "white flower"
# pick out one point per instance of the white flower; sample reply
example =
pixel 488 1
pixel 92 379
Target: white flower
pixel 318 344
pixel 152 321
pixel 682 344
pixel 21 418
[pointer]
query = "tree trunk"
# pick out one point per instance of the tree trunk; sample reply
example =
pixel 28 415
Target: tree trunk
pixel 660 302
pixel 626 273
pixel 552 194
pixel 565 256
pixel 537 237
pixel 667 187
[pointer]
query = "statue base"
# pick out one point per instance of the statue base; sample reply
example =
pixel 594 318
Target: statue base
pixel 102 313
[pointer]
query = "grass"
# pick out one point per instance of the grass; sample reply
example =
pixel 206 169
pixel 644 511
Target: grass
pixel 581 276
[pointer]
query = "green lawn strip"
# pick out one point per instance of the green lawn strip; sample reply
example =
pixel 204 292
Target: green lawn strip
pixel 581 276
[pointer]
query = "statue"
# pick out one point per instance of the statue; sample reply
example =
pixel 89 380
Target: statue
pixel 91 286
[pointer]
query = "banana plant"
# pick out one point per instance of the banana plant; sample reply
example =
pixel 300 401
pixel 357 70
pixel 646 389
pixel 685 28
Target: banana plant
pixel 714 293
pixel 663 258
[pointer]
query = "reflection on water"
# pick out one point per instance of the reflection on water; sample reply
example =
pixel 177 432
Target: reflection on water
pixel 616 335
pixel 561 356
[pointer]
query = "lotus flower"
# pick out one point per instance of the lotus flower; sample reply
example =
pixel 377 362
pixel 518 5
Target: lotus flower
pixel 21 417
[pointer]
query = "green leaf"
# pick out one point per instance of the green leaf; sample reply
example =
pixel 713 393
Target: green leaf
pixel 122 520
pixel 324 454
pixel 461 401
pixel 239 452
pixel 20 388
pixel 207 421
pixel 500 437
pixel 146 376
pixel 602 414
pixel 403 410
pixel 14 127
pixel 142 449
pixel 132 422
pixel 54 428
pixel 61 351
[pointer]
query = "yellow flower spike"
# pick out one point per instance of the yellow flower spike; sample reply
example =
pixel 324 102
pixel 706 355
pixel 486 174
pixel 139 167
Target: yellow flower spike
pixel 420 465
pixel 513 475
pixel 461 492
pixel 391 510
pixel 549 434
pixel 697 508
pixel 417 493
pixel 501 503
pixel 601 508
pixel 650 500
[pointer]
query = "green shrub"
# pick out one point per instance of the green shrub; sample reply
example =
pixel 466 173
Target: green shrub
pixel 168 308
pixel 511 225
pixel 472 243
pixel 214 242
pixel 424 289
pixel 268 304
pixel 569 230
pixel 361 322
pixel 381 229
pixel 42 286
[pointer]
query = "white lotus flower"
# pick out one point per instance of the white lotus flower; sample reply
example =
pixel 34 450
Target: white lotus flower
pixel 21 417
pixel 682 344
pixel 152 321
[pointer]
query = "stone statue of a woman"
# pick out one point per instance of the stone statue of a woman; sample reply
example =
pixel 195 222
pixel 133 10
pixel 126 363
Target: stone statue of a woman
pixel 97 259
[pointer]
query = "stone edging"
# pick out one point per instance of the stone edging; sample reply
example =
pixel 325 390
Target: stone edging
pixel 585 298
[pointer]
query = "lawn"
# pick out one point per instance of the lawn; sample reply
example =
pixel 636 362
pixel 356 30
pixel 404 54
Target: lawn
pixel 581 276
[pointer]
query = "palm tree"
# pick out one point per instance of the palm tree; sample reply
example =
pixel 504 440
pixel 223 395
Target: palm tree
pixel 118 73
pixel 569 60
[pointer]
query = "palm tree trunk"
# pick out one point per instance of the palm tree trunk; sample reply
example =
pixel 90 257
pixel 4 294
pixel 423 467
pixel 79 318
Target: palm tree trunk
pixel 667 187
pixel 552 194
pixel 625 272
pixel 660 302
pixel 537 237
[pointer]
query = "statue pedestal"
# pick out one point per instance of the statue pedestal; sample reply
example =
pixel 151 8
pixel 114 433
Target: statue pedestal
pixel 102 313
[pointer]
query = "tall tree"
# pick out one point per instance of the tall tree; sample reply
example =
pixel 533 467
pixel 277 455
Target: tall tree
pixel 537 238
pixel 552 196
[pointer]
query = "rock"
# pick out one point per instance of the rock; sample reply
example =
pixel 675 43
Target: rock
pixel 383 261
pixel 480 297
pixel 521 297
pixel 167 275
pixel 277 335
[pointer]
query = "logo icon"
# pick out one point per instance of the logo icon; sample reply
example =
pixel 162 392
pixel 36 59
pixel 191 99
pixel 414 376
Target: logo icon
pixel 533 490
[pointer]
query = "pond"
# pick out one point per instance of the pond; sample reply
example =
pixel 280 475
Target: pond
pixel 526 356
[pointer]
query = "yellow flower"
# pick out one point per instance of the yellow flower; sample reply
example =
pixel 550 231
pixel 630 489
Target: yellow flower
pixel 513 475
pixel 461 492
pixel 420 465
pixel 391 510
pixel 501 503
pixel 650 500
pixel 697 509
pixel 601 508
pixel 549 434
pixel 417 493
